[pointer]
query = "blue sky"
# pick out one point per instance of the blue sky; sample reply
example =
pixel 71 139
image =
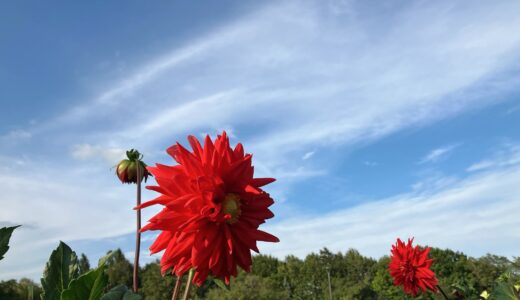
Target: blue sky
pixel 378 120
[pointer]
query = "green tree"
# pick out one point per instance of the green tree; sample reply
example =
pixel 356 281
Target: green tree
pixel 248 287
pixel 13 290
pixel 290 270
pixel 9 290
pixel 265 265
pixel 352 276
pixel 487 269
pixel 25 285
pixel 382 283
pixel 84 264
pixel 154 286
pixel 119 270
pixel 454 272
pixel 357 272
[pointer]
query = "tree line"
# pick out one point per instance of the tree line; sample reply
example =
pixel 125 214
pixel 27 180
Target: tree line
pixel 324 275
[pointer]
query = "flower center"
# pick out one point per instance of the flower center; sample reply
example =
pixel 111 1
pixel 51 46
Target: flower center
pixel 231 207
pixel 408 269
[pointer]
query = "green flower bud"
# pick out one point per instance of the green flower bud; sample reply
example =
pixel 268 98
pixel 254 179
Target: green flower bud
pixel 126 170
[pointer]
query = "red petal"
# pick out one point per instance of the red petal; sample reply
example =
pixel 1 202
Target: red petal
pixel 258 182
pixel 229 239
pixel 195 145
pixel 264 236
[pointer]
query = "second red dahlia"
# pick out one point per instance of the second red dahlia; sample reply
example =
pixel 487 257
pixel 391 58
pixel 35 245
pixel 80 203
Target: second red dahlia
pixel 410 267
pixel 212 209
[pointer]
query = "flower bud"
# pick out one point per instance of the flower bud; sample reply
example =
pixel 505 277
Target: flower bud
pixel 126 170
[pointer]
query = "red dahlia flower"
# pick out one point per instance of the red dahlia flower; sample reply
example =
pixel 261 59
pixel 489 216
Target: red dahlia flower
pixel 212 210
pixel 410 267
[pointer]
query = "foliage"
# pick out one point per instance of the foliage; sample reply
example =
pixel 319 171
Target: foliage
pixel 62 280
pixel 488 268
pixel 352 276
pixel 119 270
pixel 121 292
pixel 154 285
pixel 84 264
pixel 20 290
pixel 506 287
pixel 88 286
pixel 61 268
pixel 5 236
pixel 247 286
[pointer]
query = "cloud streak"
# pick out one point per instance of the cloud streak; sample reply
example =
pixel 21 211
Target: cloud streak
pixel 89 152
pixel 438 154
pixel 290 79
pixel 507 156
pixel 331 82
pixel 56 204
pixel 476 215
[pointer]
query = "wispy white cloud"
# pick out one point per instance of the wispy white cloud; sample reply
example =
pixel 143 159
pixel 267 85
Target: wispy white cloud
pixel 370 163
pixel 230 132
pixel 299 173
pixel 16 135
pixel 433 181
pixel 308 155
pixel 288 79
pixel 13 162
pixel 54 204
pixel 205 112
pixel 476 216
pixel 145 256
pixel 329 78
pixel 508 155
pixel 89 152
pixel 513 109
pixel 438 154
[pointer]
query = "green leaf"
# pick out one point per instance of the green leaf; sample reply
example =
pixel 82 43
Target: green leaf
pixel 121 292
pixel 221 284
pixel 61 268
pixel 88 286
pixel 5 235
pixel 504 291
pixel 103 260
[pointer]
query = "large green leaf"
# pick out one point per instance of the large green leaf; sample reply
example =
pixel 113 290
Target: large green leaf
pixel 103 260
pixel 121 292
pixel 5 235
pixel 61 268
pixel 504 291
pixel 88 286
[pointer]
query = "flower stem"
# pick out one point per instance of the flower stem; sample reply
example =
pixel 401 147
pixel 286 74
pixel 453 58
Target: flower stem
pixel 177 288
pixel 138 233
pixel 188 285
pixel 442 292
pixel 330 286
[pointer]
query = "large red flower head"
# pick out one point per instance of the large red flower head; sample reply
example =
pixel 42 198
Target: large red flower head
pixel 212 210
pixel 410 267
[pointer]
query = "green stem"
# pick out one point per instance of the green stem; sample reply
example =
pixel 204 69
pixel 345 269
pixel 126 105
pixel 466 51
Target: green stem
pixel 330 286
pixel 138 233
pixel 30 292
pixel 442 292
pixel 177 288
pixel 188 284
